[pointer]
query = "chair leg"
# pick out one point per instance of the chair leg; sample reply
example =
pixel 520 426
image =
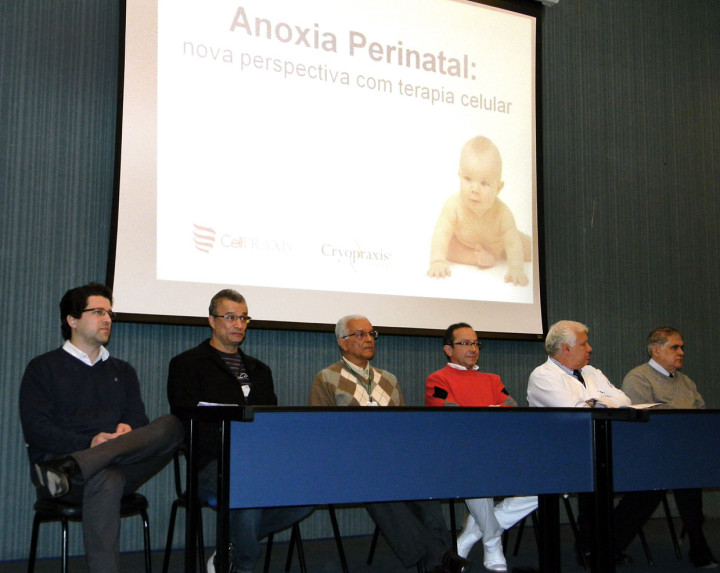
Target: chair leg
pixel 293 541
pixel 373 544
pixel 170 535
pixel 571 516
pixel 671 527
pixel 573 526
pixel 146 540
pixel 201 541
pixel 453 525
pixel 268 551
pixel 518 539
pixel 33 544
pixel 338 539
pixel 536 529
pixel 301 550
pixel 64 525
pixel 645 546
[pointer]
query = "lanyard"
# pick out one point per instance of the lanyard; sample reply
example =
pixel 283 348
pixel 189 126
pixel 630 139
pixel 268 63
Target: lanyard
pixel 361 379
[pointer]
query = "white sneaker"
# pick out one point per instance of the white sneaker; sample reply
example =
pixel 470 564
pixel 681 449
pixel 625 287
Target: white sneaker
pixel 470 535
pixel 211 562
pixel 494 557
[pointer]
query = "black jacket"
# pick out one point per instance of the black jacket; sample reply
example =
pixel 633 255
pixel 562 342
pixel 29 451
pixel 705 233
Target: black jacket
pixel 201 375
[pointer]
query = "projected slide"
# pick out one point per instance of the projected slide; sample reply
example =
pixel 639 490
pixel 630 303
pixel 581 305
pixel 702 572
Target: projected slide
pixel 364 156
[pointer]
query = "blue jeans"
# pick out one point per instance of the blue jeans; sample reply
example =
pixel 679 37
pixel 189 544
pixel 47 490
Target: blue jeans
pixel 249 526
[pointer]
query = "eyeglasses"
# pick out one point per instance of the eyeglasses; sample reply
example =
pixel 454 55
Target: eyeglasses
pixel 360 334
pixel 476 343
pixel 100 312
pixel 231 318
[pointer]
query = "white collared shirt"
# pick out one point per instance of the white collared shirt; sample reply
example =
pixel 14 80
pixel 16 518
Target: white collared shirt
pixel 364 372
pixel 659 368
pixel 553 385
pixel 564 368
pixel 460 367
pixel 73 350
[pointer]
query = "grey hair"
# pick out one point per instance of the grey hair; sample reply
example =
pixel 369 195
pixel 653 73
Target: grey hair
pixel 659 337
pixel 341 328
pixel 228 293
pixel 562 332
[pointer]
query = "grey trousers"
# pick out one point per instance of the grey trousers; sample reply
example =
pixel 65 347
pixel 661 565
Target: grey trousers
pixel 111 470
pixel 415 530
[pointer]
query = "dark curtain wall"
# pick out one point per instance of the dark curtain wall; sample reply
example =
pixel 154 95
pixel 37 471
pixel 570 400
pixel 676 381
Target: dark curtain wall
pixel 631 169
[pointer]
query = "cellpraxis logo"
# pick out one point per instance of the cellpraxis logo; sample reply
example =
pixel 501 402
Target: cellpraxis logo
pixel 204 238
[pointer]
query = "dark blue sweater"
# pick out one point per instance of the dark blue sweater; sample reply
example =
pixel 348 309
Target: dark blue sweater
pixel 64 402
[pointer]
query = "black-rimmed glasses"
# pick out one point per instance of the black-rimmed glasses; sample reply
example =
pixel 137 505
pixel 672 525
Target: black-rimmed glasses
pixel 100 312
pixel 231 318
pixel 476 343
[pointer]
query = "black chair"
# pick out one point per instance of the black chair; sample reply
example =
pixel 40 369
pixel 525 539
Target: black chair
pixel 47 510
pixel 573 526
pixel 671 528
pixel 533 516
pixel 295 540
pixel 209 500
pixel 181 502
pixel 520 526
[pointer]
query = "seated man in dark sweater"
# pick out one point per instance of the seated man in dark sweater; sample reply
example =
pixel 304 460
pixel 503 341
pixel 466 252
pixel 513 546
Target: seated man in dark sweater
pixel 88 437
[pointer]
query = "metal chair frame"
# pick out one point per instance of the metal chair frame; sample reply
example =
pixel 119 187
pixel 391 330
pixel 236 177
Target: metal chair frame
pixel 49 510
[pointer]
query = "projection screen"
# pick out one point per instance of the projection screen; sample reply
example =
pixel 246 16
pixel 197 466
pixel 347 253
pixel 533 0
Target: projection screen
pixel 312 155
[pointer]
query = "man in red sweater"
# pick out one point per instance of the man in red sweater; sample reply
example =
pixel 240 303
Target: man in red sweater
pixel 461 383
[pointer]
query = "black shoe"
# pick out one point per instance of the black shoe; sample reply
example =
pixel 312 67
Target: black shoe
pixel 708 563
pixel 55 475
pixel 455 564
pixel 585 557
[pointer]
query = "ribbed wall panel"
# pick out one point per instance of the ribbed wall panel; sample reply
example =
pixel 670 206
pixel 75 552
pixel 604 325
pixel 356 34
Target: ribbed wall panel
pixel 631 205
pixel 632 146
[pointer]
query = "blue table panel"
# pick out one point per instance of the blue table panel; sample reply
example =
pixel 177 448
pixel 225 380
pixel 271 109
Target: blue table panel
pixel 391 454
pixel 673 450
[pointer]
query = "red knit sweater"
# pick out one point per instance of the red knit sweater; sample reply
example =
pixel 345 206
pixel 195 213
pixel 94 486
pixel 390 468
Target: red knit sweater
pixel 469 388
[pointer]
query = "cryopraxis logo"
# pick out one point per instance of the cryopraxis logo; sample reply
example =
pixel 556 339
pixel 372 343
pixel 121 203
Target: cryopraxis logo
pixel 203 237
pixel 355 255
